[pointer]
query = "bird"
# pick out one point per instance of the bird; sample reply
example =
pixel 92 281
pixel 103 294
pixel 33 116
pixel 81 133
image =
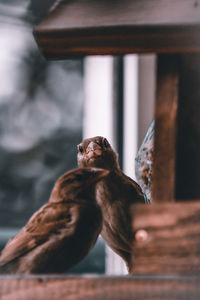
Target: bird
pixel 116 194
pixel 62 232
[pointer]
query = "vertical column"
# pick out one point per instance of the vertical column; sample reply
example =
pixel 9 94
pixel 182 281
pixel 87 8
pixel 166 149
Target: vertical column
pixel 163 188
pixel 99 117
pixel 130 113
pixel 188 138
pixel 146 91
pixel 118 105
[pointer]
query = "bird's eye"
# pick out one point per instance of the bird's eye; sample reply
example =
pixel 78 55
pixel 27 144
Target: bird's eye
pixel 80 149
pixel 105 142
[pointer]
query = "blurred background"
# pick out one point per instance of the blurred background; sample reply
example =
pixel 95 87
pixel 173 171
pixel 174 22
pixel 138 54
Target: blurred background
pixel 47 108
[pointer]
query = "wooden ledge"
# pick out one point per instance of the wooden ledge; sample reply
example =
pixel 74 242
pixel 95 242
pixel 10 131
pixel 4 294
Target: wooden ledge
pixel 91 27
pixel 98 288
pixel 171 238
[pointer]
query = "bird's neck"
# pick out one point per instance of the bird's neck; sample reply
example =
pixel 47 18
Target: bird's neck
pixel 113 167
pixel 114 174
pixel 106 186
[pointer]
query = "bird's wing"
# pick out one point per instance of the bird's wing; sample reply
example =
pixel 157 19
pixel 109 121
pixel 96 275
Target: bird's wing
pixel 50 220
pixel 134 191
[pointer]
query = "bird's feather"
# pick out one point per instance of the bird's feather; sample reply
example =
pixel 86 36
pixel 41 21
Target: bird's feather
pixel 51 219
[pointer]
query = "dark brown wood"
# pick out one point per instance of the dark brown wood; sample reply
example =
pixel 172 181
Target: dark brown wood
pixel 188 138
pixel 163 189
pixel 172 243
pixel 82 27
pixel 118 288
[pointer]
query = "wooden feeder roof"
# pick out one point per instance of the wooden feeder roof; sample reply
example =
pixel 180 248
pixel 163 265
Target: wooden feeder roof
pixel 85 27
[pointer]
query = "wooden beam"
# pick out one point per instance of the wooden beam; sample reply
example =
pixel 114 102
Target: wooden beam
pixel 188 137
pixel 98 288
pixel 163 188
pixel 91 27
pixel 167 238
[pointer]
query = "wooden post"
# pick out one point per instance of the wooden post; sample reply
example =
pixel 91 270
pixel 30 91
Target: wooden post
pixel 188 138
pixel 177 128
pixel 163 189
pixel 170 230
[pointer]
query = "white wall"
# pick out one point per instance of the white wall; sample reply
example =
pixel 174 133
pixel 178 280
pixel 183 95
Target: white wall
pixel 98 120
pixel 139 83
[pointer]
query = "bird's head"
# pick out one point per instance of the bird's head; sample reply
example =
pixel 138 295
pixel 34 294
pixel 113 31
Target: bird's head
pixel 79 182
pixel 97 152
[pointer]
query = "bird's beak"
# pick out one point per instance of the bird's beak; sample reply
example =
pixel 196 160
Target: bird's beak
pixel 98 174
pixel 93 150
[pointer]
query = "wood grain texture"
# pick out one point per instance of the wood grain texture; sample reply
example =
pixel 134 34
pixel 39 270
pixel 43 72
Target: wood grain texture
pixel 188 138
pixel 172 244
pixel 107 288
pixel 164 160
pixel 83 27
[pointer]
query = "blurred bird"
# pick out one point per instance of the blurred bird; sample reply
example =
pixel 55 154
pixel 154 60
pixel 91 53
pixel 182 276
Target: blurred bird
pixel 116 195
pixel 60 233
pixel 144 162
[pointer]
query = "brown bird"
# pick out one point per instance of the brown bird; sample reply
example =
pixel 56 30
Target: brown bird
pixel 60 233
pixel 116 195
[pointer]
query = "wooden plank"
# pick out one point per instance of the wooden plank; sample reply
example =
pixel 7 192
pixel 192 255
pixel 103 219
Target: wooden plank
pixel 163 187
pixel 83 27
pixel 95 13
pixel 117 41
pixel 80 288
pixel 171 241
pixel 188 138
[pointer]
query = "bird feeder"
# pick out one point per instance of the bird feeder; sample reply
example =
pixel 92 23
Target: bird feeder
pixel 167 237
